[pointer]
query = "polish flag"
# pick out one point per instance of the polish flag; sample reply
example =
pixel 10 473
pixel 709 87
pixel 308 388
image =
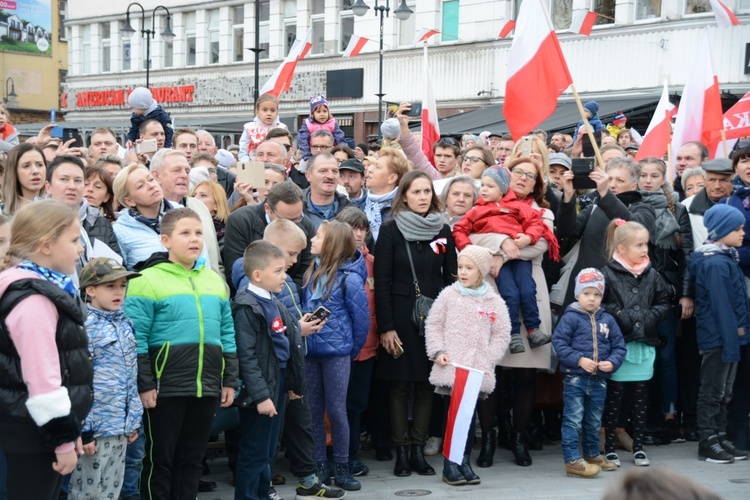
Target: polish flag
pixel 724 15
pixel 281 80
pixel 700 117
pixel 583 21
pixel 466 387
pixel 430 128
pixel 424 34
pixel 659 131
pixel 537 72
pixel 507 28
pixel 737 119
pixel 356 44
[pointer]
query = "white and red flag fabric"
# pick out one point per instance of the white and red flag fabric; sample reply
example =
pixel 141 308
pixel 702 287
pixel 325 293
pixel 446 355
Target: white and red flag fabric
pixel 507 28
pixel 281 79
pixel 424 34
pixel 582 22
pixel 430 128
pixel 724 15
pixel 700 116
pixel 537 72
pixel 464 396
pixel 737 119
pixel 659 131
pixel 356 44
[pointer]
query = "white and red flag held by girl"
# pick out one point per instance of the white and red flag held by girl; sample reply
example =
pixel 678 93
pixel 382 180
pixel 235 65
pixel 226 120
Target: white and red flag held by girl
pixel 424 34
pixel 430 128
pixel 356 44
pixel 461 411
pixel 700 115
pixel 724 15
pixel 582 22
pixel 537 72
pixel 659 131
pixel 281 80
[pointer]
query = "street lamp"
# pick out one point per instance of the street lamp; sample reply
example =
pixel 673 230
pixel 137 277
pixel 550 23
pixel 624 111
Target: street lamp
pixel 10 96
pixel 167 34
pixel 402 13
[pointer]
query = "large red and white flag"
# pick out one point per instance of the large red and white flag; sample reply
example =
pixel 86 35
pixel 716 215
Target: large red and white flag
pixel 430 128
pixel 582 22
pixel 424 34
pixel 724 15
pixel 507 28
pixel 737 119
pixel 356 44
pixel 537 72
pixel 466 387
pixel 700 115
pixel 659 131
pixel 281 80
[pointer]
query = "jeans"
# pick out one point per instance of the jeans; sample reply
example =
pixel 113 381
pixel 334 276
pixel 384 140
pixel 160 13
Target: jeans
pixel 583 398
pixel 715 392
pixel 327 386
pixel 518 289
pixel 133 464
pixel 667 364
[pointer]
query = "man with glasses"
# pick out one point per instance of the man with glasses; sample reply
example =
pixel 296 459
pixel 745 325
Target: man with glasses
pixel 322 201
pixel 503 149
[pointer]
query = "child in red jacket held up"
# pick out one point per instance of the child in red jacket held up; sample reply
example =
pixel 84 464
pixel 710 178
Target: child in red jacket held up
pixel 498 212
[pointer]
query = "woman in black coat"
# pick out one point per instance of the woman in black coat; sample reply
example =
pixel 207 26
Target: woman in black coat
pixel 417 222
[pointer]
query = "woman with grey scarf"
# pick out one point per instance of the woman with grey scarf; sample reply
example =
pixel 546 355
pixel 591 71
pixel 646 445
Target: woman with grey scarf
pixel 670 245
pixel 418 225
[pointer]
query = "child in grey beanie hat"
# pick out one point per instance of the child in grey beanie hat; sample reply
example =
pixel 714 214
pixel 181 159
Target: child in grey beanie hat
pixel 145 108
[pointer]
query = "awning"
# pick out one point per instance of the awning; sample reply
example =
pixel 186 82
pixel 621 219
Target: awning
pixel 564 119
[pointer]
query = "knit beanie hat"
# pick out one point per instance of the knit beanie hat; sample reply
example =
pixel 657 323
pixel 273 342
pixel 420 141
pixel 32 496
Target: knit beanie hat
pixel 140 98
pixel 589 278
pixel 225 158
pixel 592 107
pixel 619 118
pixel 390 128
pixel 364 147
pixel 722 219
pixel 500 177
pixel 316 101
pixel 480 256
pixel 470 137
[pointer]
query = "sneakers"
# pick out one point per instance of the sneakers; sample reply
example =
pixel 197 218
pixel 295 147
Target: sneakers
pixel 324 472
pixel 357 468
pixel 273 495
pixel 729 447
pixel 318 490
pixel 344 479
pixel 538 338
pixel 580 468
pixel 612 457
pixel 602 462
pixel 434 446
pixel 673 433
pixel 710 450
pixel 516 344
pixel 640 459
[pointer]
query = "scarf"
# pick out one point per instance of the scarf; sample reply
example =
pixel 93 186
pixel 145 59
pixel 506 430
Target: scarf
pixel 635 269
pixel 154 224
pixel 374 205
pixel 414 227
pixel 472 292
pixel 319 288
pixel 711 247
pixel 742 191
pixel 64 281
pixel 666 225
pixel 219 226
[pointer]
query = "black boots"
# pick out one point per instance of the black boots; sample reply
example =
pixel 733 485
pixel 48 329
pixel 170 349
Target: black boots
pixel 451 473
pixel 487 451
pixel 418 463
pixel 402 468
pixel 467 471
pixel 520 450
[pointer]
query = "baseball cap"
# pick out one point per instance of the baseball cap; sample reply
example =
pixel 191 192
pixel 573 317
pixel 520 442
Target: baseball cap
pixel 103 270
pixel 352 164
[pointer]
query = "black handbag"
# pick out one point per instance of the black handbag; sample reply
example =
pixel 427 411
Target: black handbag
pixel 422 304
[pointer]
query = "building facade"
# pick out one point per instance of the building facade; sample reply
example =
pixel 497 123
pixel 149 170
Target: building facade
pixel 205 76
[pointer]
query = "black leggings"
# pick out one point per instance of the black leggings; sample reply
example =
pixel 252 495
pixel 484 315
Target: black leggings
pixel 638 392
pixel 32 477
pixel 516 387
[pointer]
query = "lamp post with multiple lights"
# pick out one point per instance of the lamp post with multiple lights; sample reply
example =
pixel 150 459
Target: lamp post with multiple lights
pixel 167 34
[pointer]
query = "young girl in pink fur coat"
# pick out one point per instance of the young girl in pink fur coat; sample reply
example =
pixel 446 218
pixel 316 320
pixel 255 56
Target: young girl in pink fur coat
pixel 468 325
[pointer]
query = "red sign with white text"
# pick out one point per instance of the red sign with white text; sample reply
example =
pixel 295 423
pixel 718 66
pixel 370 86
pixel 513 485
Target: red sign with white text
pixel 119 97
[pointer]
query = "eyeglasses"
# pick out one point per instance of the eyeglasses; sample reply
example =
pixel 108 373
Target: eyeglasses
pixel 295 220
pixel 320 148
pixel 520 173
pixel 473 159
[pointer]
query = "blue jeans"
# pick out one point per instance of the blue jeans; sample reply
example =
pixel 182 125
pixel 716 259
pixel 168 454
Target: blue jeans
pixel 518 290
pixel 258 440
pixel 667 364
pixel 583 397
pixel 133 465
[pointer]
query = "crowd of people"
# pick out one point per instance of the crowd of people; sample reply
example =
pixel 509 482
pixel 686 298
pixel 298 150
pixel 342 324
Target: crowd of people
pixel 151 301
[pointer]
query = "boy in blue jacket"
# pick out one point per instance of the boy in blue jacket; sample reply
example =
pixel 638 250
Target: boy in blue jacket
pixel 721 311
pixel 590 346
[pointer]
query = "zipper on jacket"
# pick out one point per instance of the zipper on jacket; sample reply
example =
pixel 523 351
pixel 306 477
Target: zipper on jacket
pixel 159 369
pixel 596 343
pixel 202 332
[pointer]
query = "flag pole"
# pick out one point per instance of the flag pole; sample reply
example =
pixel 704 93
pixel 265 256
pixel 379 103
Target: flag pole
pixel 589 131
pixel 724 143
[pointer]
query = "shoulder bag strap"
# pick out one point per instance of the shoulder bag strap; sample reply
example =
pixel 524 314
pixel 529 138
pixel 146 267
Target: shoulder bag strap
pixel 413 272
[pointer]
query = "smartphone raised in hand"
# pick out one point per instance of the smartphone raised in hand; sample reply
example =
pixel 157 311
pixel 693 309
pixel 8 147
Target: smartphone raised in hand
pixel 581 168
